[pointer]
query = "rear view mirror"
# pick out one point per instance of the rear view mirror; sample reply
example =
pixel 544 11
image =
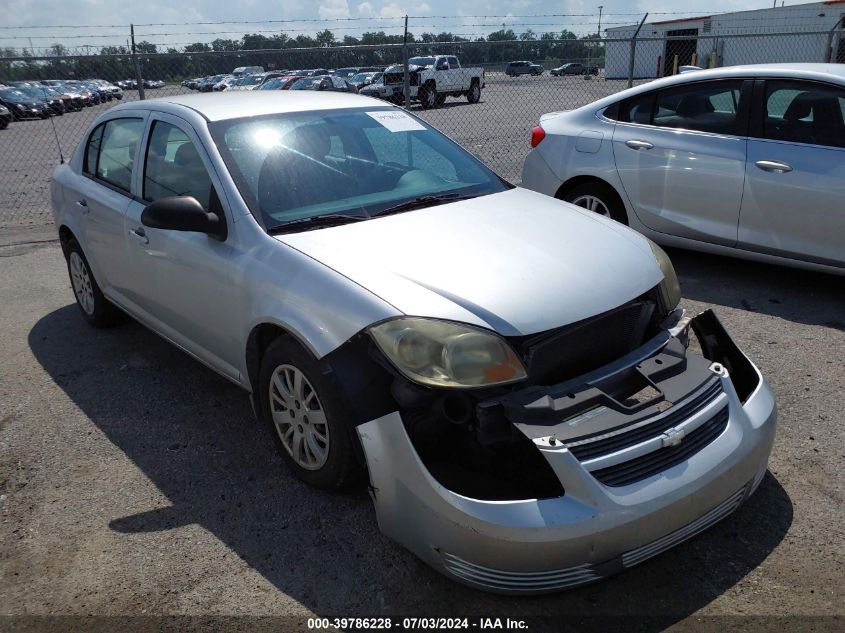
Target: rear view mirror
pixel 183 213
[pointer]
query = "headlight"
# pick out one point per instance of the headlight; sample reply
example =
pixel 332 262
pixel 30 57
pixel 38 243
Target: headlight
pixel 21 106
pixel 446 354
pixel 670 287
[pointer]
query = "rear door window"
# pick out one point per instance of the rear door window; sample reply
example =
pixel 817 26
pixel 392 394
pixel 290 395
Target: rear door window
pixel 115 149
pixel 703 107
pixel 804 112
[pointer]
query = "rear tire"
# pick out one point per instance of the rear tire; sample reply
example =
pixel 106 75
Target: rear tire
pixel 96 309
pixel 599 198
pixel 306 414
pixel 474 93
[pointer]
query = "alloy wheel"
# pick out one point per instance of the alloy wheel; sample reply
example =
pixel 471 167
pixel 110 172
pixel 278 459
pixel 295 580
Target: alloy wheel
pixel 298 417
pixel 81 281
pixel 592 203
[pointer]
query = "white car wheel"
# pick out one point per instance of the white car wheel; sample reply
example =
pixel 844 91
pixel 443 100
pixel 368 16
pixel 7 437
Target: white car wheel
pixel 299 418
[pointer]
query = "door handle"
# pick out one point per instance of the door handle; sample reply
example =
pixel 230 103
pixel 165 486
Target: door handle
pixel 140 235
pixel 83 204
pixel 635 144
pixel 773 166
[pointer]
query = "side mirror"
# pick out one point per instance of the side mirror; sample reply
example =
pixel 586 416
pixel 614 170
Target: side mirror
pixel 183 213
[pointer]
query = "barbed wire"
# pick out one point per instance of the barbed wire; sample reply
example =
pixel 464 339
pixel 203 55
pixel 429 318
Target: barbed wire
pixel 345 19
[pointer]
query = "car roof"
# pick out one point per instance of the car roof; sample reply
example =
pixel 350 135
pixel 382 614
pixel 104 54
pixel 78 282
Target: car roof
pixel 814 71
pixel 234 105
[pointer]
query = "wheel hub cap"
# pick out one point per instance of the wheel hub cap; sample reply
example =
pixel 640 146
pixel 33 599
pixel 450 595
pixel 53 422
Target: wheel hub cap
pixel 80 279
pixel 298 417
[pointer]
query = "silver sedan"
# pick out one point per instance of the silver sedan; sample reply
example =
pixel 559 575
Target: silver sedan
pixel 746 161
pixel 510 372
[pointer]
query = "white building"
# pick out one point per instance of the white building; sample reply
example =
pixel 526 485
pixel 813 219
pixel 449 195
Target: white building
pixel 798 33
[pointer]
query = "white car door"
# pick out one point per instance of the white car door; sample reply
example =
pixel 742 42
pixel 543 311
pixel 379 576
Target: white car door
pixel 102 193
pixel 794 202
pixel 680 154
pixel 191 292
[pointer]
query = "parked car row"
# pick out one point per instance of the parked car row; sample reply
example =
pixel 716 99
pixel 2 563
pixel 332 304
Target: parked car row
pixel 517 68
pixel 52 97
pixel 574 68
pixel 255 77
pixel 132 84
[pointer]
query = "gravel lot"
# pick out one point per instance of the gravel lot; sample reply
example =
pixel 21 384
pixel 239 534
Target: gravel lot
pixel 135 482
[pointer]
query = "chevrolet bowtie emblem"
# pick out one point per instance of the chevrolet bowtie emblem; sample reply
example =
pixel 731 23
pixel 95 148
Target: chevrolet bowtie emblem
pixel 673 437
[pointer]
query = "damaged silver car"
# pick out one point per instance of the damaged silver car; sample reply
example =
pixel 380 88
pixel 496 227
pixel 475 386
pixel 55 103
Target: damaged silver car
pixel 511 373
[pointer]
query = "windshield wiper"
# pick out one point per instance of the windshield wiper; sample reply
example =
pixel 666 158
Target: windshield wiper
pixel 424 201
pixel 316 222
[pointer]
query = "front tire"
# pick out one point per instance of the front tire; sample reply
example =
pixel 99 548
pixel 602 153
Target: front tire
pixel 96 309
pixel 305 412
pixel 428 98
pixel 598 198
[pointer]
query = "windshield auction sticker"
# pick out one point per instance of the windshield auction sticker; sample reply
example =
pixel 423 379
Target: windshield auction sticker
pixel 396 121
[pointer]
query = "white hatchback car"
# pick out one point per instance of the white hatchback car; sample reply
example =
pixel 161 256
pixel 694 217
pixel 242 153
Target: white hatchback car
pixel 511 371
pixel 746 161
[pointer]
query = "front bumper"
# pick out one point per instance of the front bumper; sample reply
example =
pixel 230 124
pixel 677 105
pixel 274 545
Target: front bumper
pixel 593 530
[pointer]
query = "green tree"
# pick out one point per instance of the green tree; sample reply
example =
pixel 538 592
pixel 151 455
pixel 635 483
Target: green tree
pixel 225 45
pixel 146 48
pixel 325 38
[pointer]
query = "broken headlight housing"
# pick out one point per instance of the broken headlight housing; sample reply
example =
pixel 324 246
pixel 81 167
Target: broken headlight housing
pixel 670 287
pixel 446 354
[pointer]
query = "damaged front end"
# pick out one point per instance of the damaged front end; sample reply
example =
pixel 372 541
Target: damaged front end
pixel 525 489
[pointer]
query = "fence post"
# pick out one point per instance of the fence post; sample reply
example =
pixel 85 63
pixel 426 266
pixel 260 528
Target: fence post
pixel 633 53
pixel 830 53
pixel 406 81
pixel 138 77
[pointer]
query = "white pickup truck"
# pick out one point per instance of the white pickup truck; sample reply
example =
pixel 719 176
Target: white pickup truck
pixel 432 78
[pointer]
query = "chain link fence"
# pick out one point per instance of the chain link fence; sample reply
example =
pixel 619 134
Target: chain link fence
pixel 496 127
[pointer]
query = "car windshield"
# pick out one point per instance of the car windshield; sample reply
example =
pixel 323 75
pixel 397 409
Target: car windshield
pixel 345 72
pixel 35 93
pixel 352 162
pixel 251 80
pixel 421 61
pixel 308 83
pixel 273 84
pixel 15 96
pixel 361 77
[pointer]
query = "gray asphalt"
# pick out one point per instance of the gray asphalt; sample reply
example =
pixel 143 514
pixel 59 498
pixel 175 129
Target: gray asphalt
pixel 133 481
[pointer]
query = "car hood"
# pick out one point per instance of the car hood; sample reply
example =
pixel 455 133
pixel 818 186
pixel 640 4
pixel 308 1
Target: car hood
pixel 517 262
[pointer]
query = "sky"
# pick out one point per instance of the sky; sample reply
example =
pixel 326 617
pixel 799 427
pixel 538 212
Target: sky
pixel 94 23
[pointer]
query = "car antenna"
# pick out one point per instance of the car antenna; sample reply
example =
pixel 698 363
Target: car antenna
pixel 53 123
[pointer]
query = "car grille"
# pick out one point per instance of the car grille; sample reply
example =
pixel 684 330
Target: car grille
pixel 603 444
pixel 661 459
pixel 573 350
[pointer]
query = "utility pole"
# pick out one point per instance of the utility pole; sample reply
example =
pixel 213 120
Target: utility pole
pixel 599 33
pixel 138 77
pixel 406 80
